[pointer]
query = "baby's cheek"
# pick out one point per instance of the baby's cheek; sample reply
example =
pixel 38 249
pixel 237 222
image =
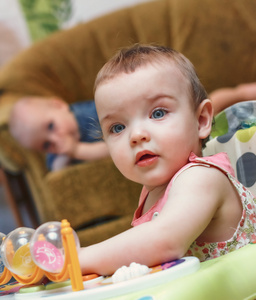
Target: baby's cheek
pixel 118 156
pixel 121 159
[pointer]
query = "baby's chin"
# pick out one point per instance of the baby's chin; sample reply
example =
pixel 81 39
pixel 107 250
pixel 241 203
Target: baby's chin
pixel 152 183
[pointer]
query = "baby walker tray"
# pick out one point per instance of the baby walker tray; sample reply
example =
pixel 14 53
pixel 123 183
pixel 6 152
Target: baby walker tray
pixel 45 266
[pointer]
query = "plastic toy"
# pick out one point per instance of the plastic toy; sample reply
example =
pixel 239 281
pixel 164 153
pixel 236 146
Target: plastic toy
pixel 47 248
pixel 51 250
pixel 15 252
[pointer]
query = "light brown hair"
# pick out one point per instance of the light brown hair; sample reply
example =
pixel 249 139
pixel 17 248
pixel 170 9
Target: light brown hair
pixel 127 60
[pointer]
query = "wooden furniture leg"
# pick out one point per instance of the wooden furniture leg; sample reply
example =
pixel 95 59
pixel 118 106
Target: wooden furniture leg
pixel 13 200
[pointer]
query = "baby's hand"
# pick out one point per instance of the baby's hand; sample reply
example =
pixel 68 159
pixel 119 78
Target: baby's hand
pixel 68 146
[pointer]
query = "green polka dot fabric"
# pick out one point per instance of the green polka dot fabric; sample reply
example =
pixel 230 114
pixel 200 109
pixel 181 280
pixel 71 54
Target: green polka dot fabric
pixel 234 133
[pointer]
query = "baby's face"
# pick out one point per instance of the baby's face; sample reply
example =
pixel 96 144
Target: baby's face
pixel 148 122
pixel 51 128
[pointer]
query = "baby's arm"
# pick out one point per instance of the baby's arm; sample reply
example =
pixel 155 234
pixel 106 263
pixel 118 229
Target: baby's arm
pixel 90 151
pixel 191 206
pixel 83 150
pixel 224 97
pixel 80 151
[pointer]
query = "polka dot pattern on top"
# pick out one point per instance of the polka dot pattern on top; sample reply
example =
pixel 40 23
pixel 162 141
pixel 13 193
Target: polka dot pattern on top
pixel 234 133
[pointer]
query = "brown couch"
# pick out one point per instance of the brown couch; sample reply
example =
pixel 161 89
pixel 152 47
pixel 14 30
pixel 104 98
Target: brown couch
pixel 218 36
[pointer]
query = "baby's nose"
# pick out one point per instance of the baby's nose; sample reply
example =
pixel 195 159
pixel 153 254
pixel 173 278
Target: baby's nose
pixel 139 136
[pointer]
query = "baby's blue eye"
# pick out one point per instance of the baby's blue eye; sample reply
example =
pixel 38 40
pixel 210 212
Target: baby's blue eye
pixel 117 128
pixel 158 114
pixel 50 126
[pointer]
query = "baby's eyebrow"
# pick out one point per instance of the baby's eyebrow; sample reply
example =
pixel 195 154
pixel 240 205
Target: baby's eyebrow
pixel 160 96
pixel 107 118
pixel 104 120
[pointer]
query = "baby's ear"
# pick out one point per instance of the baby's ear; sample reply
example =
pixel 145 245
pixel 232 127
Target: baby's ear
pixel 205 116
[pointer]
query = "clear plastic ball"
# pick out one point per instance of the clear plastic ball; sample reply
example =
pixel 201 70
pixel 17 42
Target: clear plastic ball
pixel 2 236
pixel 15 251
pixel 47 248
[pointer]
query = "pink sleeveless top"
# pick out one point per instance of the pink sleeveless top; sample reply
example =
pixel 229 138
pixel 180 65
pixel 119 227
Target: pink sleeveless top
pixel 246 229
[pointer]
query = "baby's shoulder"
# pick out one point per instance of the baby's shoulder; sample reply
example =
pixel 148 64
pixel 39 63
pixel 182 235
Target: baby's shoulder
pixel 201 173
pixel 202 177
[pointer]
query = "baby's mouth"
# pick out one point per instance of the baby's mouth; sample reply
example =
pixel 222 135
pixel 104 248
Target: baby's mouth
pixel 145 158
